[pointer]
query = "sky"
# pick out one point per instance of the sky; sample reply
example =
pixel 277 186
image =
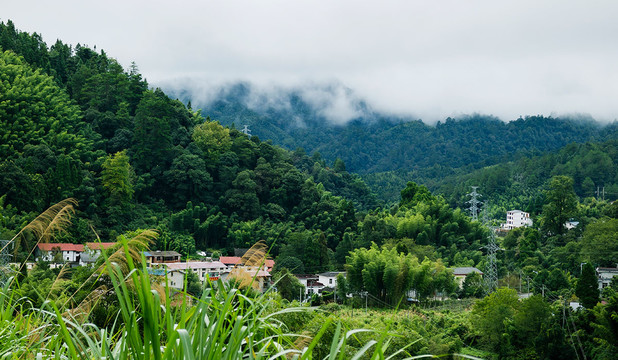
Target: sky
pixel 427 59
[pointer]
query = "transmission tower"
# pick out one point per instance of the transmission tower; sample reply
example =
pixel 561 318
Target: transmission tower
pixel 246 131
pixel 5 257
pixel 491 270
pixel 474 203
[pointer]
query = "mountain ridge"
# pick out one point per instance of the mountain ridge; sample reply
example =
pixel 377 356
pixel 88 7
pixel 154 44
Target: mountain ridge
pixel 376 142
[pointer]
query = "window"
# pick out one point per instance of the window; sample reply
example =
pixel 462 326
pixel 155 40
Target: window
pixel 330 281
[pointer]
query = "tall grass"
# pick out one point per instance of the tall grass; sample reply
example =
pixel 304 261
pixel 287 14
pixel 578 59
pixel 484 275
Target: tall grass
pixel 224 323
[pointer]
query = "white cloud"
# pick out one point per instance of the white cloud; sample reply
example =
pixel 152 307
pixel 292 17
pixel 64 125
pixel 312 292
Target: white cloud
pixel 426 58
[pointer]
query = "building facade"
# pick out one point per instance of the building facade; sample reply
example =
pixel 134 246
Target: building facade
pixel 516 218
pixel 605 276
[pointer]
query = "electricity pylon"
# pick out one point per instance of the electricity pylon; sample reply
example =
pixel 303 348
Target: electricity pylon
pixel 474 203
pixel 5 257
pixel 491 271
pixel 246 131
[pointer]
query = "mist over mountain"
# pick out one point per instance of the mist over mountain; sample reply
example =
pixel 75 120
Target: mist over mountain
pixel 290 106
pixel 332 120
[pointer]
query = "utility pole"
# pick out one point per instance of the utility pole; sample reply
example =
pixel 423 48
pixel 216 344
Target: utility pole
pixel 366 293
pixel 474 203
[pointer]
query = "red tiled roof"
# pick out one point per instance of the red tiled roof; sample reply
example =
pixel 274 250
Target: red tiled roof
pixel 233 260
pixel 230 260
pixel 197 265
pixel 62 247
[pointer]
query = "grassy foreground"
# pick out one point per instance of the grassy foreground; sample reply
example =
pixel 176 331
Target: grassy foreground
pixel 225 323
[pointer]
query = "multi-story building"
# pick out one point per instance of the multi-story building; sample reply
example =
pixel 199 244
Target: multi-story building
pixel 516 218
pixel 329 279
pixel 205 270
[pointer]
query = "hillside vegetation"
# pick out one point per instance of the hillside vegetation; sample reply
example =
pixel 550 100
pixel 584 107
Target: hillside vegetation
pixel 76 125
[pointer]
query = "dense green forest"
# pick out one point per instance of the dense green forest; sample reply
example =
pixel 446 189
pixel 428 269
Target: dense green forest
pixel 75 124
pixel 389 151
pixel 374 142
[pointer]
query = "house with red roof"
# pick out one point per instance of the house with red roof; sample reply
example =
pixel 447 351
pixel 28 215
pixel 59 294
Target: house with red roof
pixel 50 252
pixel 77 254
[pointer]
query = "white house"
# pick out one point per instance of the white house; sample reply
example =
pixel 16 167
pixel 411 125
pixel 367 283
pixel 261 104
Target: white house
pixel 81 254
pixel 205 270
pixel 311 283
pixel 571 224
pixel 69 252
pixel 516 218
pixel 605 276
pixel 329 279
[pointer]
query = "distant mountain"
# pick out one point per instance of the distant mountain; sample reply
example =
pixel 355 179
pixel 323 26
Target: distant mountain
pixel 331 120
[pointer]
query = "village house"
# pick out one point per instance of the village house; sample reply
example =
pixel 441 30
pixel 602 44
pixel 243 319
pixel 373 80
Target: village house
pixel 237 260
pixel 205 270
pixel 460 274
pixel 92 252
pixel 515 219
pixel 311 283
pixel 58 252
pixel 329 279
pixel 75 254
pixel 161 257
pixel 605 276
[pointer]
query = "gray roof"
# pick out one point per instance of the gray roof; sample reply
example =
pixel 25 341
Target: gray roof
pixel 161 253
pixel 332 273
pixel 466 270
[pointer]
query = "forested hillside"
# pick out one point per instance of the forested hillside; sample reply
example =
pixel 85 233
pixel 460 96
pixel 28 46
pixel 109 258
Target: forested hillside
pixel 75 124
pixel 374 142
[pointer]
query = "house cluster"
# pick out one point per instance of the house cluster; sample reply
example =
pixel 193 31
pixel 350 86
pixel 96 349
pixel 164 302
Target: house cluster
pixel 74 254
pixel 518 218
pixel 159 263
pixel 168 263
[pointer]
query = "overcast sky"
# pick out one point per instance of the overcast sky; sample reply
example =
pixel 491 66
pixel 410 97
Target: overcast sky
pixel 429 59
